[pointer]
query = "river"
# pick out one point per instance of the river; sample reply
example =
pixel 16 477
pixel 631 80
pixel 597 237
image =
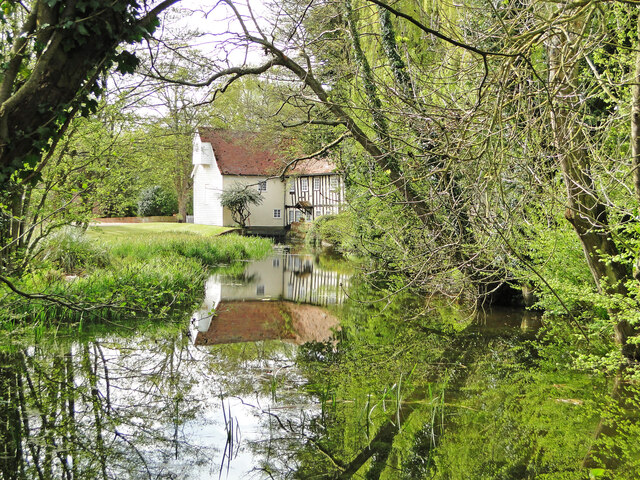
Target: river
pixel 295 368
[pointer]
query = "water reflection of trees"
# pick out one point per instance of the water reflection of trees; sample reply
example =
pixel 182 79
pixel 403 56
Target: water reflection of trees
pixel 94 410
pixel 425 401
pixel 387 400
pixel 141 407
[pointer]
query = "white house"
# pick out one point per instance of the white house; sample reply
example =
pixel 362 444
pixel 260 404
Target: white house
pixel 223 158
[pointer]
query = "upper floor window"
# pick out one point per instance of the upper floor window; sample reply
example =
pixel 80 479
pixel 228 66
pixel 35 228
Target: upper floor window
pixel 316 183
pixel 334 181
pixel 304 184
pixel 262 186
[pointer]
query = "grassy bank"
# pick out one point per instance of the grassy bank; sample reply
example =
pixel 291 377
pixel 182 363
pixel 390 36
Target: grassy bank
pixel 120 274
pixel 156 228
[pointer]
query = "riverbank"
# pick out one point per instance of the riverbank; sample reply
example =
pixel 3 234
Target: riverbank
pixel 119 273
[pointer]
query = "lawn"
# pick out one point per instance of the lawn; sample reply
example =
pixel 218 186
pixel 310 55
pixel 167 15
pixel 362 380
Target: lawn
pixel 109 231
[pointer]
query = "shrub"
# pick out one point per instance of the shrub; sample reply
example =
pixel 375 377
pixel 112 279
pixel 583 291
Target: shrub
pixel 157 201
pixel 336 230
pixel 239 199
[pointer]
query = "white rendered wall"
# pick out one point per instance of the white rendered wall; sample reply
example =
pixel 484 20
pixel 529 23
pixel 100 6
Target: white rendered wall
pixel 207 185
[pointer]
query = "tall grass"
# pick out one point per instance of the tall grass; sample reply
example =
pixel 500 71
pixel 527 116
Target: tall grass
pixel 122 278
pixel 210 251
pixel 70 250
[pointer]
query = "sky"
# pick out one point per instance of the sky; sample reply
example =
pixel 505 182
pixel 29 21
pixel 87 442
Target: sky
pixel 216 25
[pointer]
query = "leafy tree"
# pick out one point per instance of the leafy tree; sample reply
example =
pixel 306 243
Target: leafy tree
pixel 239 199
pixel 54 56
pixel 465 143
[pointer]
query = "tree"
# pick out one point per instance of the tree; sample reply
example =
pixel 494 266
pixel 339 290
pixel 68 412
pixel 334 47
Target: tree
pixel 54 56
pixel 156 201
pixel 239 199
pixel 468 137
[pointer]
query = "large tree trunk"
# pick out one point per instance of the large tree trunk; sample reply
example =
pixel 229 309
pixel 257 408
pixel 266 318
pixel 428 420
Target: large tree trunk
pixel 79 43
pixel 635 120
pixel 585 210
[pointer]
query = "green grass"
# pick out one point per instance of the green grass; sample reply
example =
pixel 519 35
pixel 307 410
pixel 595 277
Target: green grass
pixel 211 251
pixel 108 231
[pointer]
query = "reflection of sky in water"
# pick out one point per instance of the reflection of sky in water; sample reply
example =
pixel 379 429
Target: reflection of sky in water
pixel 144 382
pixel 250 426
pixel 158 396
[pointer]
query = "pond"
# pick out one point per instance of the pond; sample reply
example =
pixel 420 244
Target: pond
pixel 295 368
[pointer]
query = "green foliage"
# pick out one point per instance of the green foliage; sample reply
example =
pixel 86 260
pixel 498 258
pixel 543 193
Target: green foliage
pixel 87 36
pixel 156 200
pixel 335 230
pixel 558 258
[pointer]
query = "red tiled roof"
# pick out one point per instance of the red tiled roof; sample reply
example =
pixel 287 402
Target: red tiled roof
pixel 240 153
pixel 312 166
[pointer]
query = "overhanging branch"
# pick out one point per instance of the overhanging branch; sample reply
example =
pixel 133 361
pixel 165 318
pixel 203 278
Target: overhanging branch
pixel 316 154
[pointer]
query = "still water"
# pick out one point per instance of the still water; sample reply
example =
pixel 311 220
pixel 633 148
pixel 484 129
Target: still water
pixel 292 368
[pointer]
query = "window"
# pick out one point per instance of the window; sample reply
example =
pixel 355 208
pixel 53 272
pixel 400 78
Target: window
pixel 318 211
pixel 334 181
pixel 276 213
pixel 316 183
pixel 292 216
pixel 304 184
pixel 276 262
pixel 260 290
pixel 262 186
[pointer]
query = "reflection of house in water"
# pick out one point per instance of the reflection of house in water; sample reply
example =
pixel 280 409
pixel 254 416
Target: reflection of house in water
pixel 307 284
pixel 276 298
pixel 253 321
pixel 288 277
